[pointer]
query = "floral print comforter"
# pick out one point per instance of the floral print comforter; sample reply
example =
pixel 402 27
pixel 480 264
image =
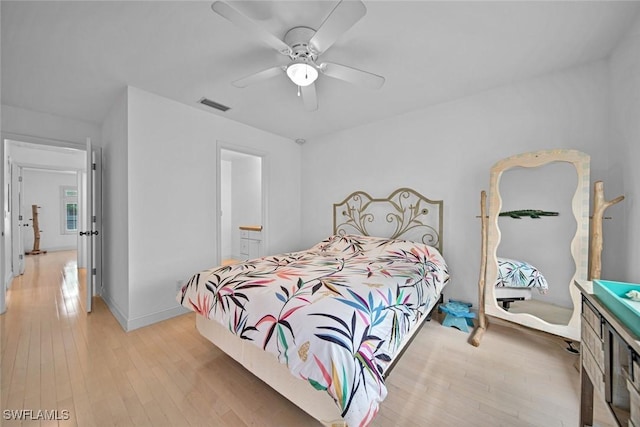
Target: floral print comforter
pixel 335 314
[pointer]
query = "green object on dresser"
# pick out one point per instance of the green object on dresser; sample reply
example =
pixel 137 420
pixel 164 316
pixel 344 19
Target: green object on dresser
pixel 612 295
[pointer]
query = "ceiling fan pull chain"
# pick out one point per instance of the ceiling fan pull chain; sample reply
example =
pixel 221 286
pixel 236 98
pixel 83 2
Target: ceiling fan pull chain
pixel 298 90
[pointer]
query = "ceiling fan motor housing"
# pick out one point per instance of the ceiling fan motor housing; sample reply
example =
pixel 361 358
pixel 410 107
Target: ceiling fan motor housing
pixel 298 40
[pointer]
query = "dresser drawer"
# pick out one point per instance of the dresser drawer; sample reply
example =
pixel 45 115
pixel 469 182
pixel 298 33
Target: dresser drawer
pixel 634 404
pixel 590 365
pixel 636 372
pixel 591 340
pixel 592 317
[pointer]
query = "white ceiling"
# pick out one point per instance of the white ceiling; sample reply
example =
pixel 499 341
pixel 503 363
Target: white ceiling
pixel 74 58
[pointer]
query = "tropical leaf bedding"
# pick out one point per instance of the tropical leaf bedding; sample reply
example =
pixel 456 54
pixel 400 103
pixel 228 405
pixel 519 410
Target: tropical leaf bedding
pixel 520 274
pixel 335 314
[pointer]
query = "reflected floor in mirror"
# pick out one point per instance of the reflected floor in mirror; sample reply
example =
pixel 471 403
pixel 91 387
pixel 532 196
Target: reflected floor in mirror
pixel 547 312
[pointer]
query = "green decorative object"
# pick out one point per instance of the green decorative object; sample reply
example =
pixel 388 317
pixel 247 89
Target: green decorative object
pixel 533 213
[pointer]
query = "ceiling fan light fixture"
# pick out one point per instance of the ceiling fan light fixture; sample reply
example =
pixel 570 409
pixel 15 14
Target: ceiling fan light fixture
pixel 301 73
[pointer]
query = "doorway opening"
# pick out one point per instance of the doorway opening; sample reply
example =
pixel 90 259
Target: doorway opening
pixel 241 199
pixel 44 186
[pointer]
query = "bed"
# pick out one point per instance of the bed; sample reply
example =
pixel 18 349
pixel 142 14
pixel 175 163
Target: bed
pixel 325 326
pixel 516 280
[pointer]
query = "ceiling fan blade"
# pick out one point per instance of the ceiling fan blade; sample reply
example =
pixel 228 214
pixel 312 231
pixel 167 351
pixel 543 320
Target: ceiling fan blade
pixel 309 97
pixel 226 11
pixel 341 18
pixel 352 75
pixel 258 77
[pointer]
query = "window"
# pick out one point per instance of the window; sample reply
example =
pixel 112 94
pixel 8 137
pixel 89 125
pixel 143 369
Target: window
pixel 69 210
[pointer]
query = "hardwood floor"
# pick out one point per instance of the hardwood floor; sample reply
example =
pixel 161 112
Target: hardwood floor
pixel 56 357
pixel 547 312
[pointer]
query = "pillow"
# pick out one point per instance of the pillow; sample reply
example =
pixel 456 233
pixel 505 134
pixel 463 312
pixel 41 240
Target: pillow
pixel 335 245
pixel 519 274
pixel 348 244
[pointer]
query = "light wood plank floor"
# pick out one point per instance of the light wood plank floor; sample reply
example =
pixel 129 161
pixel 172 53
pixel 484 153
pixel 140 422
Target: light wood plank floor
pixel 56 357
pixel 548 312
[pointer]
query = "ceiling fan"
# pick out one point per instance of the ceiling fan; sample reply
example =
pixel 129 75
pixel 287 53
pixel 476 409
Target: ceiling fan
pixel 303 46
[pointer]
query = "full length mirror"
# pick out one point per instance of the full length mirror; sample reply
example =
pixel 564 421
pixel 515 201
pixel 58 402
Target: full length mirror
pixel 538 240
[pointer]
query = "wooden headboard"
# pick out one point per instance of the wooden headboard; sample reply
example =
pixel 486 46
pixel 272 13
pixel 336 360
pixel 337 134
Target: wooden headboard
pixel 404 214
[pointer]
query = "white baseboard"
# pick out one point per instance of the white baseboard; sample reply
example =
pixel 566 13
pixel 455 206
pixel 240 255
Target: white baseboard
pixel 119 315
pixel 7 280
pixel 152 318
pixel 130 324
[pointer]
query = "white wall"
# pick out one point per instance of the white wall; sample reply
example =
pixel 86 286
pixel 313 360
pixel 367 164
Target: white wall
pixel 247 182
pixel 622 234
pixel 445 152
pixel 246 197
pixel 171 199
pixel 115 215
pixel 18 121
pixel 226 208
pixel 44 189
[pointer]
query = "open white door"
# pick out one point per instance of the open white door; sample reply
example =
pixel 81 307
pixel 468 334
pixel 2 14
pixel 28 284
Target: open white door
pixel 91 235
pixel 18 220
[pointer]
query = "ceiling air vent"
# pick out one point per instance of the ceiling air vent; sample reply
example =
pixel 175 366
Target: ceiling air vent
pixel 213 104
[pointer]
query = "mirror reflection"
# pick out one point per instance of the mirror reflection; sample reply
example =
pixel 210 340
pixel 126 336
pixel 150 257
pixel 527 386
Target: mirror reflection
pixel 537 225
pixel 543 197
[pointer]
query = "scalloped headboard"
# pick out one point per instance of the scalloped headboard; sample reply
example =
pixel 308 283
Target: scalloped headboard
pixel 404 214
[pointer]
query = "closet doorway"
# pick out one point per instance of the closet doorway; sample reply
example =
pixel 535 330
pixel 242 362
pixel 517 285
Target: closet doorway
pixel 241 200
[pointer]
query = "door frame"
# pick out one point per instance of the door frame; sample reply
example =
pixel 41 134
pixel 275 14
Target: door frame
pixel 16 194
pixel 5 138
pixel 264 158
pixel 91 214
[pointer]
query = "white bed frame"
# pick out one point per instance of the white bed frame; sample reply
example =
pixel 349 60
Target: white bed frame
pixel 407 215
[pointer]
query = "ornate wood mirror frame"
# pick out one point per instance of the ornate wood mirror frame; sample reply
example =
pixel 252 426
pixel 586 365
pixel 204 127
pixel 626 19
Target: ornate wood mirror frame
pixel 579 243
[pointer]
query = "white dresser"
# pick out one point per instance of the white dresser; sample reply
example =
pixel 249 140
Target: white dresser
pixel 251 241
